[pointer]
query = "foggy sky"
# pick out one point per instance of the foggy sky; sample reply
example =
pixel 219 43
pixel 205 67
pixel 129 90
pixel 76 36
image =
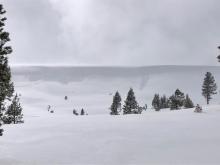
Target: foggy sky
pixel 114 32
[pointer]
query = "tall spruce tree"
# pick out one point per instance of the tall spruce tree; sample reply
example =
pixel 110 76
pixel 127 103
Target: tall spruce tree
pixel 116 104
pixel 188 102
pixel 131 105
pixel 6 86
pixel 209 87
pixel 156 102
pixel 14 111
pixel 177 100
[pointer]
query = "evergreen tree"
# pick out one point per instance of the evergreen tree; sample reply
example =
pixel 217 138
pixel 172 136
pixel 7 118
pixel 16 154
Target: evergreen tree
pixel 218 55
pixel 116 104
pixel 209 87
pixel 177 100
pixel 6 86
pixel 188 102
pixel 14 111
pixel 156 102
pixel 82 112
pixel 164 102
pixel 131 105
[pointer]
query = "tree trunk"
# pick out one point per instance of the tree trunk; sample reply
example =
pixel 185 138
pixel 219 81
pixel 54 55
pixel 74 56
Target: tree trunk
pixel 14 115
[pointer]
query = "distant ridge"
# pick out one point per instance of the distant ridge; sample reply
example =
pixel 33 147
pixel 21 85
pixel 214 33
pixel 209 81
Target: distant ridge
pixel 70 73
pixel 108 66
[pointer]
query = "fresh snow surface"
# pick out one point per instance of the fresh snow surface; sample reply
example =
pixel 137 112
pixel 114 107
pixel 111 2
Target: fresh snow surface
pixel 166 137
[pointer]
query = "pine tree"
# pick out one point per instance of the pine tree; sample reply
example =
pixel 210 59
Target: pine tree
pixel 218 55
pixel 6 86
pixel 14 111
pixel 116 104
pixel 164 102
pixel 156 102
pixel 209 87
pixel 188 102
pixel 82 112
pixel 131 105
pixel 177 100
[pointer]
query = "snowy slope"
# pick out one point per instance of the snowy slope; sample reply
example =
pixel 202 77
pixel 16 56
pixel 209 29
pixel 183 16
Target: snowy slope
pixel 168 137
pixel 91 88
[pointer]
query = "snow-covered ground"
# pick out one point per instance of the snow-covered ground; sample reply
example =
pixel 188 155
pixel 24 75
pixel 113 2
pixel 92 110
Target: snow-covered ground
pixel 167 137
pixel 91 88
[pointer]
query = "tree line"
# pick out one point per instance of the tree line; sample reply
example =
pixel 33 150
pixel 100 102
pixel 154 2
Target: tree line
pixel 175 102
pixel 130 106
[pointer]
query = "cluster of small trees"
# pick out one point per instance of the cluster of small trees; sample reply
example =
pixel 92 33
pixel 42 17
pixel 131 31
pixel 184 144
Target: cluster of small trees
pixel 10 109
pixel 82 112
pixel 130 104
pixel 177 101
pixel 160 102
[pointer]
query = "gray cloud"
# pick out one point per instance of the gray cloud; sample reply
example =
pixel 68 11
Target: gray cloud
pixel 112 32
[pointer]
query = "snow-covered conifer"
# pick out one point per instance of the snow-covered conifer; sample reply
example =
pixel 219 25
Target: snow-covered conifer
pixel 188 102
pixel 164 102
pixel 116 104
pixel 14 111
pixel 177 100
pixel 209 87
pixel 156 102
pixel 131 105
pixel 6 85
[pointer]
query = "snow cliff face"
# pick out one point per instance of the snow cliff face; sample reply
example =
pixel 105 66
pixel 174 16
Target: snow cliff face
pixel 92 88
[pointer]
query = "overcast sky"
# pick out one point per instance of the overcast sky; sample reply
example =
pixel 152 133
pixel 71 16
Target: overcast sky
pixel 114 32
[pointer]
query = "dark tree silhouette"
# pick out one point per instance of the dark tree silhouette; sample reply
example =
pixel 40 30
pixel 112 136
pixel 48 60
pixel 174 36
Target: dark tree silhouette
pixel 14 111
pixel 177 100
pixel 218 55
pixel 82 112
pixel 131 105
pixel 188 102
pixel 156 103
pixel 6 86
pixel 116 104
pixel 209 87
